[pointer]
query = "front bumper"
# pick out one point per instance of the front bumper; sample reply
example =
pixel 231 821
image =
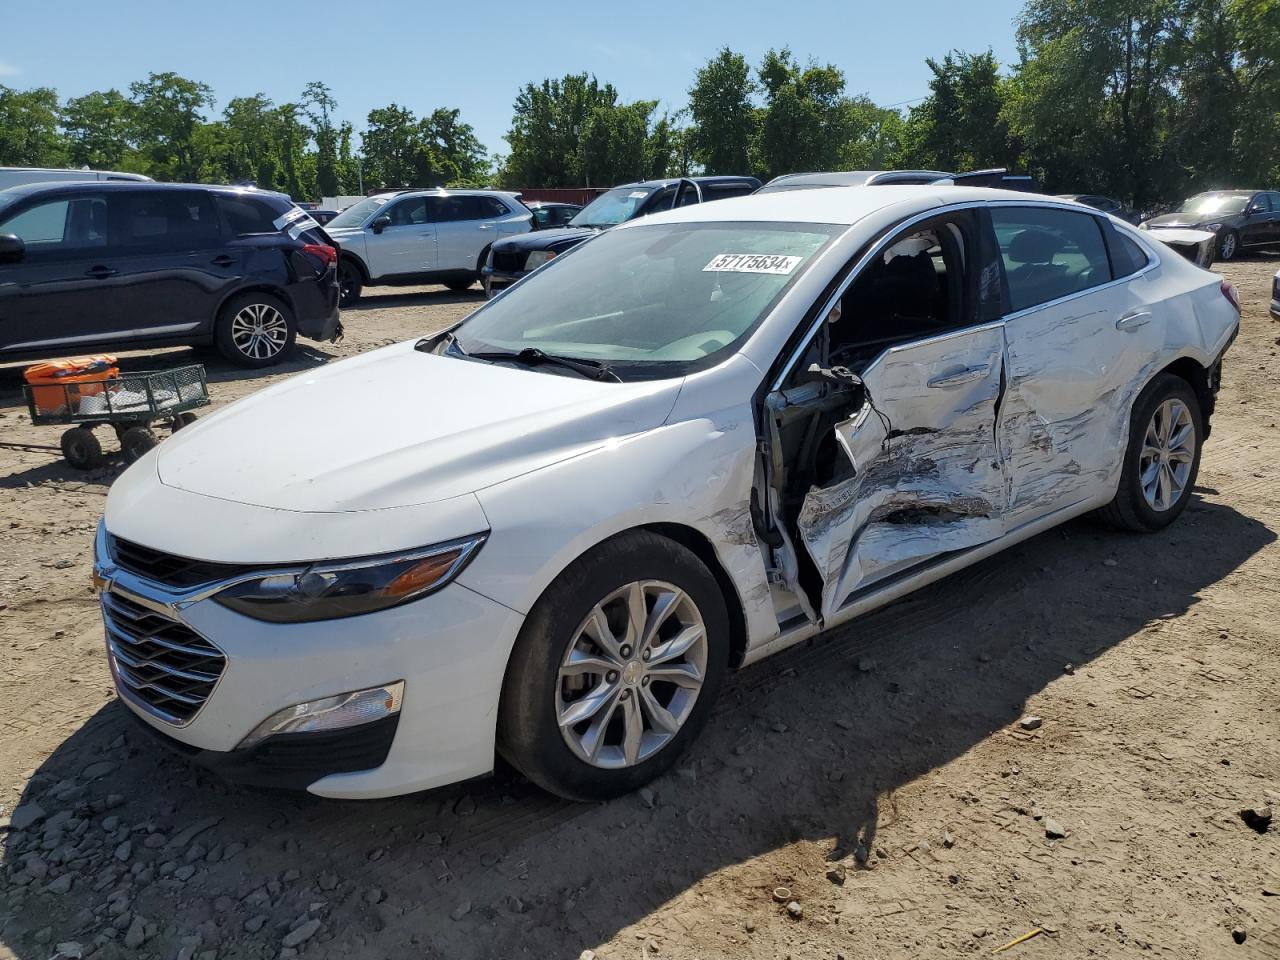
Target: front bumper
pixel 492 279
pixel 450 649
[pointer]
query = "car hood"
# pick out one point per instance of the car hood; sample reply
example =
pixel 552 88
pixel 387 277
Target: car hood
pixel 1183 220
pixel 398 427
pixel 559 239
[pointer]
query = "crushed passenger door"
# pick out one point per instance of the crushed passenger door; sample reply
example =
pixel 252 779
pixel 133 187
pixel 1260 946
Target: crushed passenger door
pixel 926 473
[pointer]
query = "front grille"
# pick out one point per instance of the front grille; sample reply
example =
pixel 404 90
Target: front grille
pixel 159 662
pixel 508 261
pixel 168 568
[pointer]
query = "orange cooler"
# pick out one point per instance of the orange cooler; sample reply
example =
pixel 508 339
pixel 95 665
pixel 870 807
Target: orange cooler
pixel 88 372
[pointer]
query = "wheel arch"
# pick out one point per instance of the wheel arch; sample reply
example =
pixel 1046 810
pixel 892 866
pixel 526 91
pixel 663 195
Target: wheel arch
pixel 348 256
pixel 1202 381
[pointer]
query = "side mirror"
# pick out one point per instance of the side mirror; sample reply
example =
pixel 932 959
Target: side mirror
pixel 12 248
pixel 380 224
pixel 1254 210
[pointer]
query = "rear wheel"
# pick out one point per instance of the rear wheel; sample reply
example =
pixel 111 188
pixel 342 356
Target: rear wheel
pixel 256 330
pixel 1163 457
pixel 615 670
pixel 457 286
pixel 81 448
pixel 350 283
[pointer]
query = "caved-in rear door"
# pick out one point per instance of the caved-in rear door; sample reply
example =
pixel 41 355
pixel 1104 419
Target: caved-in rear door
pixel 927 478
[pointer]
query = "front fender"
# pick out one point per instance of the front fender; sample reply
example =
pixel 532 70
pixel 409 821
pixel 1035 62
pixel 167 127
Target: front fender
pixel 696 473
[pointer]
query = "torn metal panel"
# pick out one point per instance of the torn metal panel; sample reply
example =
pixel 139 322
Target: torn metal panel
pixel 926 474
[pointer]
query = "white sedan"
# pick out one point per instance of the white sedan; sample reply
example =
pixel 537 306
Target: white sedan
pixel 550 532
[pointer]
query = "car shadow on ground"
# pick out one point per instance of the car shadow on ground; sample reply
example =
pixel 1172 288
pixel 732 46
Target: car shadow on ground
pixel 809 745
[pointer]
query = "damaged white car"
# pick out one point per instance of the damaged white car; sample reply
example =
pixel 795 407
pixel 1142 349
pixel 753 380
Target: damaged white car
pixel 551 531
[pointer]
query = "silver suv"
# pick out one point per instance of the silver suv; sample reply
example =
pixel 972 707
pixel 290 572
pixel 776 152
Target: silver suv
pixel 422 236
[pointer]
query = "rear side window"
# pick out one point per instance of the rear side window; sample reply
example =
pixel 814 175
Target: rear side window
pixel 723 191
pixel 163 220
pixel 1049 254
pixel 247 216
pixel 491 207
pixel 1127 257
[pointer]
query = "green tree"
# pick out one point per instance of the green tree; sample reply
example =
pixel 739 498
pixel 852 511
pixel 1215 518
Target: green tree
pixel 961 124
pixel 723 116
pixel 807 122
pixel 168 116
pixel 547 124
pixel 1094 92
pixel 99 129
pixel 454 149
pixel 29 128
pixel 319 104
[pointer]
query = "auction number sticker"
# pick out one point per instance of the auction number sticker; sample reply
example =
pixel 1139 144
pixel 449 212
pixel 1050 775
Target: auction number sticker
pixel 752 263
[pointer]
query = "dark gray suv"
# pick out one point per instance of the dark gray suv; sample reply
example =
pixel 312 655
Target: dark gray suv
pixel 119 266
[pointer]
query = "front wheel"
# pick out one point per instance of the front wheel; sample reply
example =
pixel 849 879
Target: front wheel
pixel 1162 459
pixel 1228 245
pixel 615 670
pixel 256 330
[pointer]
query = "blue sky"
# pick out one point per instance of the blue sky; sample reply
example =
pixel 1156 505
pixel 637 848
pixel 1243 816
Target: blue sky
pixel 476 56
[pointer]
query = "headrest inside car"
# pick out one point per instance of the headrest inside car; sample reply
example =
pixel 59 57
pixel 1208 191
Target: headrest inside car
pixel 1035 246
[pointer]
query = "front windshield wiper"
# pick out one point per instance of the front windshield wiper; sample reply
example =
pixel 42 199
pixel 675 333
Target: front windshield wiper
pixel 532 356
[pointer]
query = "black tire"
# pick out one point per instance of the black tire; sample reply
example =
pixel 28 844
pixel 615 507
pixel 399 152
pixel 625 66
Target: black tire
pixel 1228 245
pixel 529 735
pixel 350 282
pixel 457 286
pixel 183 420
pixel 81 448
pixel 1130 509
pixel 136 441
pixel 236 340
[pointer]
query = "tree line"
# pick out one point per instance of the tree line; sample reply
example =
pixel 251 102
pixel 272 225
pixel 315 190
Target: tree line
pixel 1143 100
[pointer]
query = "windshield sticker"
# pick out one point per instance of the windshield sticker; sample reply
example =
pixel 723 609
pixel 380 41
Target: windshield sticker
pixel 637 194
pixel 752 263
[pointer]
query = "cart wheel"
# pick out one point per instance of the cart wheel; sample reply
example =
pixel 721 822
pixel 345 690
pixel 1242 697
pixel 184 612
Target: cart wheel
pixel 183 420
pixel 81 448
pixel 135 442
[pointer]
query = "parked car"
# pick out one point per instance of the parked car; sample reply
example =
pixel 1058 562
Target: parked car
pixel 996 177
pixel 422 236
pixel 17 176
pixel 702 437
pixel 513 258
pixel 89 266
pixel 1106 205
pixel 1238 218
pixel 550 213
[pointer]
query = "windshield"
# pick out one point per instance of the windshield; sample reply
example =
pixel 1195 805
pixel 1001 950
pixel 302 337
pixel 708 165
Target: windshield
pixel 1208 204
pixel 355 216
pixel 612 208
pixel 650 301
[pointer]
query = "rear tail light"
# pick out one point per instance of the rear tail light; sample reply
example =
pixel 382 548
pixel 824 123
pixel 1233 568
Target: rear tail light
pixel 322 251
pixel 1233 296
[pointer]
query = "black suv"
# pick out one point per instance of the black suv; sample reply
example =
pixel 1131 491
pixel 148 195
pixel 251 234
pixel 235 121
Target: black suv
pixel 512 258
pixel 126 265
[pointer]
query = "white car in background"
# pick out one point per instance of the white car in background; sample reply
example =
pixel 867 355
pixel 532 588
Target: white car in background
pixel 698 439
pixel 422 236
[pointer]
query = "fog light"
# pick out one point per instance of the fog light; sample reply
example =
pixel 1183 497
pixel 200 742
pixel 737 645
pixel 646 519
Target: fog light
pixel 331 713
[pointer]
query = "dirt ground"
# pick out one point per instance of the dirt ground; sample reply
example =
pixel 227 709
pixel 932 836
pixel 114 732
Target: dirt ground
pixel 880 773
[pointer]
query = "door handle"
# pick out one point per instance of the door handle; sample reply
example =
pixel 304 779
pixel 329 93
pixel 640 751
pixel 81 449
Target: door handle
pixel 100 272
pixel 222 260
pixel 1132 321
pixel 967 375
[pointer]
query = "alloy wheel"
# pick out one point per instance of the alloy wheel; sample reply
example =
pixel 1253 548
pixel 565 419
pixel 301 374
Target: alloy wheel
pixel 631 674
pixel 1168 450
pixel 1228 246
pixel 259 331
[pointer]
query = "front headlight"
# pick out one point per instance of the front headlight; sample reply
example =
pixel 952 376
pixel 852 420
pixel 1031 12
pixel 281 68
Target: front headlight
pixel 1211 227
pixel 538 258
pixel 347 588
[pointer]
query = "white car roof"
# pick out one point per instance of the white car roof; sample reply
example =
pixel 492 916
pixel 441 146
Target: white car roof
pixel 838 205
